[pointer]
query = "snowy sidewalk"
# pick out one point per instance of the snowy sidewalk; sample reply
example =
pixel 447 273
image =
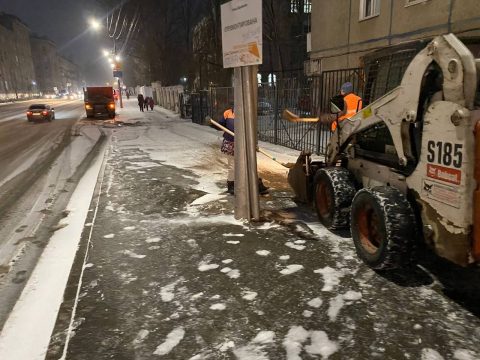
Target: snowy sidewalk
pixel 164 271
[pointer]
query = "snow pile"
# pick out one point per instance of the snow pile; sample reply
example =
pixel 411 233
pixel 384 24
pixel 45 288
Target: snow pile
pixel 255 349
pixel 320 343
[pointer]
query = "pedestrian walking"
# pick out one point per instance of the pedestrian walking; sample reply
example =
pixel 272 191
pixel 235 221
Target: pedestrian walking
pixel 151 103
pixel 228 148
pixel 145 104
pixel 128 95
pixel 141 101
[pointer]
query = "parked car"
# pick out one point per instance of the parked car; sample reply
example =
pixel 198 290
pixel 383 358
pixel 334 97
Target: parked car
pixel 37 112
pixel 264 108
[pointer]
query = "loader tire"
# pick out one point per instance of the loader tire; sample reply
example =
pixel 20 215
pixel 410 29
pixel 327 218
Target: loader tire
pixel 334 191
pixel 383 228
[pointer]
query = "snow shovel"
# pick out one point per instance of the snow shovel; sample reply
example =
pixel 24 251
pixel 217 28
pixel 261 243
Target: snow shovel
pixel 260 150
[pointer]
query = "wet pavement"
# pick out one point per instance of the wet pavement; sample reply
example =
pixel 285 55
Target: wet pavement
pixel 166 272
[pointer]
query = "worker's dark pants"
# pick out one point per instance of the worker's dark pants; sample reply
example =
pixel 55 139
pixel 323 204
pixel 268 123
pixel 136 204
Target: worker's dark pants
pixel 140 106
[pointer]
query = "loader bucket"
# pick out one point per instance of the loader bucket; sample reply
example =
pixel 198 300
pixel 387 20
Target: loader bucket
pixel 299 180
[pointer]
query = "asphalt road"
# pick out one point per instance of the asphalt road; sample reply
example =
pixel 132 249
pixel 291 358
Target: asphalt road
pixel 37 164
pixel 22 141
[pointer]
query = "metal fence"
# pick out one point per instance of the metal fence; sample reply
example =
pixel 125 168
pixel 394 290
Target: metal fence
pixel 200 104
pixel 304 96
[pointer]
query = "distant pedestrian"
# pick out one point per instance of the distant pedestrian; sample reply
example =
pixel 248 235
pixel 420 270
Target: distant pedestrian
pixel 128 95
pixel 145 104
pixel 151 103
pixel 141 102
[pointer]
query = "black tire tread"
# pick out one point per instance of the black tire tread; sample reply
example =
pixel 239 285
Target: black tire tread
pixel 400 228
pixel 343 188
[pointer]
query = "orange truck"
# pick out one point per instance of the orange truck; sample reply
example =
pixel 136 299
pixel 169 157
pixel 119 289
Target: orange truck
pixel 99 101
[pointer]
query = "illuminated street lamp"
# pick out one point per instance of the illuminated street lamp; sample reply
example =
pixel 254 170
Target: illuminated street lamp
pixel 118 58
pixel 95 24
pixel 106 52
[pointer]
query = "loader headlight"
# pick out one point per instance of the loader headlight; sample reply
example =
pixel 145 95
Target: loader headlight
pixel 88 107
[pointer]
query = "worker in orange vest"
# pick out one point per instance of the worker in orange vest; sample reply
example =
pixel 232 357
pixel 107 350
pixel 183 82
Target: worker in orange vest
pixel 228 148
pixel 352 104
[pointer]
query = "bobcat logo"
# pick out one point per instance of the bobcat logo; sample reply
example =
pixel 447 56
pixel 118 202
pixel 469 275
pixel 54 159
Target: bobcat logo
pixel 427 187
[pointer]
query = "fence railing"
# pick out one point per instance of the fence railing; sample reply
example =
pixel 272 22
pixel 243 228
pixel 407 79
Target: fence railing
pixel 305 96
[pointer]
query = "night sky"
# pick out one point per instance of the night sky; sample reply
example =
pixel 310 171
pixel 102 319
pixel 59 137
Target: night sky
pixel 66 23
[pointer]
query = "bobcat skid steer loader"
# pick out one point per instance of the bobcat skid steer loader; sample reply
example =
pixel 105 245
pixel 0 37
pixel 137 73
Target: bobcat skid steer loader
pixel 407 167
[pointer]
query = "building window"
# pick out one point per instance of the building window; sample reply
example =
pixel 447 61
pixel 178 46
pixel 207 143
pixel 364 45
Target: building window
pixel 294 6
pixel 297 5
pixel 369 9
pixel 307 6
pixel 414 2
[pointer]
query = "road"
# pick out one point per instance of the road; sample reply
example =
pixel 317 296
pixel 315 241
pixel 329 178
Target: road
pixel 21 141
pixel 38 163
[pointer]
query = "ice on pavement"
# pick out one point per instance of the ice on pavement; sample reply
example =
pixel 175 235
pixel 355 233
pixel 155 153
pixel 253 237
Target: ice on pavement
pixel 263 252
pixel 218 306
pixel 205 266
pixel 293 342
pixel 167 292
pixel 290 269
pixel 331 277
pixel 316 302
pixel 431 354
pixel 173 339
pixel 132 254
pixel 249 295
pixel 243 294
pixel 294 246
pixel 321 345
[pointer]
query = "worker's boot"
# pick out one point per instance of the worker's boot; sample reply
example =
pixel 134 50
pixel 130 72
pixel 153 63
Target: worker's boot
pixel 231 187
pixel 262 189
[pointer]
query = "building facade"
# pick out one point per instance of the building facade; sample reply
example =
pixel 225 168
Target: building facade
pixel 343 31
pixel 17 75
pixel 45 61
pixel 69 75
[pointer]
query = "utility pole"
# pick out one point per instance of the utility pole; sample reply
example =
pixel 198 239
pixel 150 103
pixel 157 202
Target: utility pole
pixel 242 50
pixel 117 68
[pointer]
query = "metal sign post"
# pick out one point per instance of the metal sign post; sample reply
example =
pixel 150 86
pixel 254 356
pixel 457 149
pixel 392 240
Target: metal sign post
pixel 242 50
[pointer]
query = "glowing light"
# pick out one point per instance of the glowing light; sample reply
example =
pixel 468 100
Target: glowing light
pixel 118 58
pixel 95 24
pixel 106 52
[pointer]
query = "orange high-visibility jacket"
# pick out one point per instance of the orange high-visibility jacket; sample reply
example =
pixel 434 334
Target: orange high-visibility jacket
pixel 354 104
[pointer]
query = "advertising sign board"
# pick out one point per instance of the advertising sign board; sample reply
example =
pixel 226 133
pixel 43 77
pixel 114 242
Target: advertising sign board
pixel 242 33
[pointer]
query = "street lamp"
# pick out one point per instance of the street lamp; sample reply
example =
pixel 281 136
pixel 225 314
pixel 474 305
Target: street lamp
pixel 106 52
pixel 118 58
pixel 95 24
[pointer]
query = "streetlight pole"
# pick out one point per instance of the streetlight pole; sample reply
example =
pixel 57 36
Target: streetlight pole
pixel 96 26
pixel 118 78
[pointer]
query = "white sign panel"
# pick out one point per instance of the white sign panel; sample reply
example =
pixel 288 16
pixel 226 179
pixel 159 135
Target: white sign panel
pixel 242 33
